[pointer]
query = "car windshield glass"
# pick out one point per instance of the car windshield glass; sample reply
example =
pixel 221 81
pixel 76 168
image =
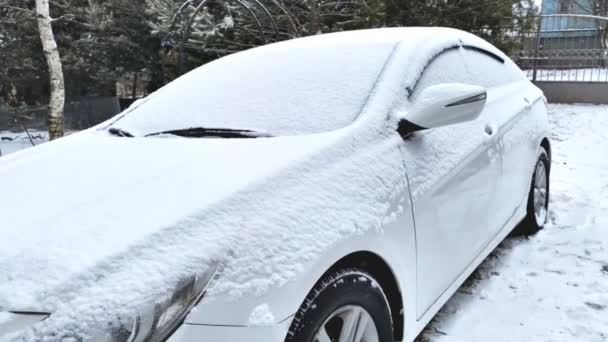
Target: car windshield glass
pixel 290 88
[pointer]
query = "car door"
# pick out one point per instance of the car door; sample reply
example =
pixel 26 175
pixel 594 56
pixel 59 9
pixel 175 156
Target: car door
pixel 453 173
pixel 510 96
pixel 519 132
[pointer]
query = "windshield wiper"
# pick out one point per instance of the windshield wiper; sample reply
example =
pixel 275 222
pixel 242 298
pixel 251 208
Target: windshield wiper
pixel 202 132
pixel 120 132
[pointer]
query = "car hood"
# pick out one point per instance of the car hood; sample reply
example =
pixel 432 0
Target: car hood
pixel 70 206
pixel 95 228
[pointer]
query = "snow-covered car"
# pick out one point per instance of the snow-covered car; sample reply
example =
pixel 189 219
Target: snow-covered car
pixel 332 188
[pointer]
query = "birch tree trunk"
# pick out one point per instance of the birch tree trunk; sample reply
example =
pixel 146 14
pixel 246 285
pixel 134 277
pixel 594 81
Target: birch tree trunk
pixel 49 46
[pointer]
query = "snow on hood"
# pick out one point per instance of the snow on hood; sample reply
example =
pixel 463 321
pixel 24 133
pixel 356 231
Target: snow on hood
pixel 68 208
pixel 96 225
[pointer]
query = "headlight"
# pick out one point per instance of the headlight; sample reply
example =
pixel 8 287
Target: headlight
pixel 160 318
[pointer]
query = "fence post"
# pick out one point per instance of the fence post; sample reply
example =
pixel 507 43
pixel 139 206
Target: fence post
pixel 538 41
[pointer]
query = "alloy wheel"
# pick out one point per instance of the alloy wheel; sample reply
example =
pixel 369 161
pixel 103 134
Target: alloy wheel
pixel 349 323
pixel 540 194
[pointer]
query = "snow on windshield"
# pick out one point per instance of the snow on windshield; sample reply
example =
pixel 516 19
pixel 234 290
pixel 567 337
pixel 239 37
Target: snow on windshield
pixel 310 86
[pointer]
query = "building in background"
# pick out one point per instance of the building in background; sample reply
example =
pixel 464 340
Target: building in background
pixel 566 26
pixel 589 7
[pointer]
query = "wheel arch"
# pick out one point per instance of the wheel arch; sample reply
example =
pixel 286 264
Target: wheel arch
pixel 379 269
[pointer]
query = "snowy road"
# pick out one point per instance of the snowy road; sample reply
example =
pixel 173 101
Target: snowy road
pixel 553 286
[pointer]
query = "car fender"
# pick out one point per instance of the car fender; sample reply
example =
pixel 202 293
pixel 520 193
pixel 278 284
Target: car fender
pixel 395 244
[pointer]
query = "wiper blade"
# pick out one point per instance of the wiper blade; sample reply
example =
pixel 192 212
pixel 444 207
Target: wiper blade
pixel 201 132
pixel 120 132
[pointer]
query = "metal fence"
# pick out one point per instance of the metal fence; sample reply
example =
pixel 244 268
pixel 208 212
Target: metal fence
pixel 80 112
pixel 564 48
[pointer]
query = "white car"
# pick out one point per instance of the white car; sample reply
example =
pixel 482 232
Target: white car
pixel 339 187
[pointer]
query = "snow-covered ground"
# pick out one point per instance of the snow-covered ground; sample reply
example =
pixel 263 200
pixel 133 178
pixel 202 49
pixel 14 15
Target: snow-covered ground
pixel 14 141
pixel 570 75
pixel 553 286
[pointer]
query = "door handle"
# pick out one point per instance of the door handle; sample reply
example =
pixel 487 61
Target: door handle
pixel 489 130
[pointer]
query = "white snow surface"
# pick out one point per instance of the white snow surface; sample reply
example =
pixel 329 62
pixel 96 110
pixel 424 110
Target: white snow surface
pixel 14 141
pixel 144 208
pixel 427 158
pixel 571 75
pixel 309 85
pixel 261 316
pixel 177 217
pixel 552 287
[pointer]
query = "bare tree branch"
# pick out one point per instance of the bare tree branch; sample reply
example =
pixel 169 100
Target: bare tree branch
pixel 68 17
pixel 24 10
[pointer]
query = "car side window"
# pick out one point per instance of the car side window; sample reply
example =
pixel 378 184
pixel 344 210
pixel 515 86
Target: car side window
pixel 448 67
pixel 488 71
pixel 469 66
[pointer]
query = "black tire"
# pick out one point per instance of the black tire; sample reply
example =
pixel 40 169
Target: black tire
pixel 530 226
pixel 338 290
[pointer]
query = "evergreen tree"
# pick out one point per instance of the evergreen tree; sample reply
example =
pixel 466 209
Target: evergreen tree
pixel 194 32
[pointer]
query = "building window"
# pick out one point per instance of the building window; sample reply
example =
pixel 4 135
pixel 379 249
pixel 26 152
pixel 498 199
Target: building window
pixel 566 6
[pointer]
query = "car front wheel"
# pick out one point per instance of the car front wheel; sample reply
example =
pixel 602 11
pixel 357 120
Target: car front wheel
pixel 345 306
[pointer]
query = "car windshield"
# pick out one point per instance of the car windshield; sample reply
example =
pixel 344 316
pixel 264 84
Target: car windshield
pixel 290 88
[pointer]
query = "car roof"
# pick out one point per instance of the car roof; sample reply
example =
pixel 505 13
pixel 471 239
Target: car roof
pixel 409 36
pixel 416 45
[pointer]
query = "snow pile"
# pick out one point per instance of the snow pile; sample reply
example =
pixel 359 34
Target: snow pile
pixel 553 286
pixel 261 316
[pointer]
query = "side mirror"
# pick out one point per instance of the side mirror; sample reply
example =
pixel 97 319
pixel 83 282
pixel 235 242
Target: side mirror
pixel 443 105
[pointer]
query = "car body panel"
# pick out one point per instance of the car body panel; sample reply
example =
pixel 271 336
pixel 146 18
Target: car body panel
pixel 412 331
pixel 196 332
pixel 388 242
pixel 283 302
pixel 452 218
pixel 521 135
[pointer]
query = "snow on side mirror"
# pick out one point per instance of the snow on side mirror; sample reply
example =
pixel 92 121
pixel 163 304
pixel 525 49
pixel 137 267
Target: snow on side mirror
pixel 443 105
